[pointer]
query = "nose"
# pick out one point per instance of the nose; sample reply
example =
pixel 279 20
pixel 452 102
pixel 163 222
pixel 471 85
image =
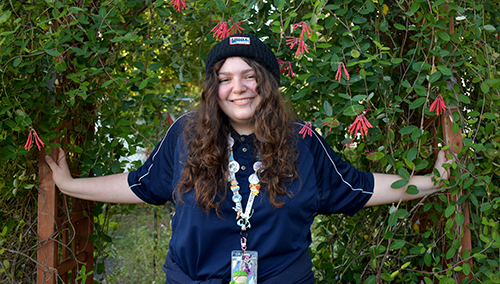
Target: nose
pixel 238 86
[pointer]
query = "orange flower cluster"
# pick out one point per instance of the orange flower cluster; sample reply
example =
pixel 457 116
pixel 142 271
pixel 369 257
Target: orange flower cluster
pixel 438 106
pixel 38 141
pixel 178 4
pixel 221 30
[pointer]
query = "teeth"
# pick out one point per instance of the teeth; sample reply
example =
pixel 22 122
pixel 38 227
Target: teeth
pixel 242 100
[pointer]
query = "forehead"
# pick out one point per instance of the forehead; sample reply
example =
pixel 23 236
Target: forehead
pixel 234 64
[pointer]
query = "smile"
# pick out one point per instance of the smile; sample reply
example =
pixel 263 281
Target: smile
pixel 242 100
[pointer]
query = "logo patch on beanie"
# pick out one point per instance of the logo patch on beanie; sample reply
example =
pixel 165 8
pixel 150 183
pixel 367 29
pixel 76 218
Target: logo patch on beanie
pixel 239 40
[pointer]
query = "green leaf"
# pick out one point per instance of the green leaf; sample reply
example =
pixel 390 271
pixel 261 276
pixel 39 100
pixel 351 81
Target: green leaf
pixel 5 16
pixel 139 65
pixel 402 172
pixel 412 190
pixel 61 67
pixel 107 83
pixel 399 27
pixel 485 206
pixel 279 4
pixel 155 66
pixel 412 154
pixel 434 77
pixel 17 61
pixel 459 218
pixel 392 219
pixel 444 36
pixel 463 98
pixel 417 103
pixel 399 184
pixel 485 88
pixel 449 211
pixel 489 115
pixel 52 52
pixel 328 108
pixel 443 69
pixel 489 28
pixel 158 3
pixel 221 5
pixel 353 110
pixel 408 129
pixel 143 84
pixel 397 244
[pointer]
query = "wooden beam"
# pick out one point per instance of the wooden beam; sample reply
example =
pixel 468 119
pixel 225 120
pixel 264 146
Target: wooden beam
pixel 47 214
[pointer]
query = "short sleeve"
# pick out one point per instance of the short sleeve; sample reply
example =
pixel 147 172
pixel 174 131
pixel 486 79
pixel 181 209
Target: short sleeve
pixel 341 188
pixel 154 182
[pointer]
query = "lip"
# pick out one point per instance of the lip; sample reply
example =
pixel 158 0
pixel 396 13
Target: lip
pixel 242 101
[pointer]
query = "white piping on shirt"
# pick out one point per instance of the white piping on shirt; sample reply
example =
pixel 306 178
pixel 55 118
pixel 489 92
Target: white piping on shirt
pixel 334 165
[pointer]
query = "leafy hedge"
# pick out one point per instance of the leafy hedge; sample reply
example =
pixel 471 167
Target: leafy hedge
pixel 103 79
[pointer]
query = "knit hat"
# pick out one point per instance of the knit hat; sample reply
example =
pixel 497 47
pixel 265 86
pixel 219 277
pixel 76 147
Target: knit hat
pixel 244 45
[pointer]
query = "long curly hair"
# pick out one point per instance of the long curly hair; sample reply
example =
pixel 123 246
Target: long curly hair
pixel 206 132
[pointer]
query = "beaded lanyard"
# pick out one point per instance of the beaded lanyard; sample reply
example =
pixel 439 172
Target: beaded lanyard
pixel 243 218
pixel 247 260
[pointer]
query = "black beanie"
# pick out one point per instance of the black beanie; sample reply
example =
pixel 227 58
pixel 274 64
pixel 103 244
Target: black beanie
pixel 244 45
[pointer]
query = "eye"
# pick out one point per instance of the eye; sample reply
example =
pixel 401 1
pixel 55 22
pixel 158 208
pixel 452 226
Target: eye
pixel 223 80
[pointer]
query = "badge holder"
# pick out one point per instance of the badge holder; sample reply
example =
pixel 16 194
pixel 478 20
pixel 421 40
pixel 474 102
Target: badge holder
pixel 244 267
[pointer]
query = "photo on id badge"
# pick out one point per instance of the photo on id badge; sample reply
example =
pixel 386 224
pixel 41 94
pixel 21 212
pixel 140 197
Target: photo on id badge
pixel 243 267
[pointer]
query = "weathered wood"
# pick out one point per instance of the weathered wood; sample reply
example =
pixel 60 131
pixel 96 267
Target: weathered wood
pixel 455 140
pixel 47 212
pixel 64 227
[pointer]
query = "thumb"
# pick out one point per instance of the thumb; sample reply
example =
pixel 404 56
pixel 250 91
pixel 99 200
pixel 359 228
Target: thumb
pixel 441 159
pixel 60 163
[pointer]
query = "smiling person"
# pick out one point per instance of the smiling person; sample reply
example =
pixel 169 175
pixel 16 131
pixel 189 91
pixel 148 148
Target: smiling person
pixel 246 186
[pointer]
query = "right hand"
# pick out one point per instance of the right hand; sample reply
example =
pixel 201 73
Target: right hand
pixel 60 170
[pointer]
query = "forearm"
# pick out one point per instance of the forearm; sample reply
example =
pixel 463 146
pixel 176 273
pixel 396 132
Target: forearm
pixel 384 194
pixel 112 188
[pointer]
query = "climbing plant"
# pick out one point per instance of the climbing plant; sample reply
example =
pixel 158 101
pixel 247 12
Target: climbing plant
pixel 104 79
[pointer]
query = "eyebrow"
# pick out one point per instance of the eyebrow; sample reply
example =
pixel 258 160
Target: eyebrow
pixel 244 72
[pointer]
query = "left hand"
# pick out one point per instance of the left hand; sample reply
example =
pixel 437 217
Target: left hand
pixel 444 173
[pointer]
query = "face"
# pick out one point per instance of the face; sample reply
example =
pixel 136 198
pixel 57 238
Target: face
pixel 237 94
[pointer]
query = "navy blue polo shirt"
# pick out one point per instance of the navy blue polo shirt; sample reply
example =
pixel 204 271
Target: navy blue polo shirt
pixel 201 242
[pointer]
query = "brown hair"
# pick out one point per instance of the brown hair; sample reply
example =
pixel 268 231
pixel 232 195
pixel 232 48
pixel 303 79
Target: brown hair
pixel 206 132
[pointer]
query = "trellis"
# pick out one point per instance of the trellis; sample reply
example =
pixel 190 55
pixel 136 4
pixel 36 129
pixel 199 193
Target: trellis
pixel 64 227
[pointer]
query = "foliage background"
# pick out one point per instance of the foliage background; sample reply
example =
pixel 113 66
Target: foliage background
pixel 106 76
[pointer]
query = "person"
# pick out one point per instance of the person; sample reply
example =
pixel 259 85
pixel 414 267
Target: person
pixel 245 184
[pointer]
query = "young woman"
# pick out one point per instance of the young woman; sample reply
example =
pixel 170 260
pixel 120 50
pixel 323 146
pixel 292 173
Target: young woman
pixel 246 186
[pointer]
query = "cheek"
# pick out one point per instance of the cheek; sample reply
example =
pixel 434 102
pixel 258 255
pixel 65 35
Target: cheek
pixel 222 94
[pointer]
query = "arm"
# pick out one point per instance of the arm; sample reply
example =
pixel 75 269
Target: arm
pixel 112 188
pixel 384 194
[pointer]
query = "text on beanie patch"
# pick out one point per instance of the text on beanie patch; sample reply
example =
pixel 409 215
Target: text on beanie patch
pixel 239 40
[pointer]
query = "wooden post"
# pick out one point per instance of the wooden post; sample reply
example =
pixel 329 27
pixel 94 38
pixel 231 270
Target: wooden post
pixel 455 141
pixel 47 207
pixel 64 238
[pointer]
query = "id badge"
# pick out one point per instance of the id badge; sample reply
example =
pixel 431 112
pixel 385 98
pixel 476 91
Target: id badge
pixel 244 267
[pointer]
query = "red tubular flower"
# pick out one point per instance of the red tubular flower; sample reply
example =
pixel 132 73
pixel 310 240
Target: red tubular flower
pixel 438 106
pixel 360 124
pixel 338 75
pixel 306 129
pixel 301 48
pixel 178 4
pixel 305 28
pixel 371 155
pixel 29 142
pixel 285 67
pixel 333 123
pixel 38 141
pixel 169 121
pixel 235 28
pixel 220 30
